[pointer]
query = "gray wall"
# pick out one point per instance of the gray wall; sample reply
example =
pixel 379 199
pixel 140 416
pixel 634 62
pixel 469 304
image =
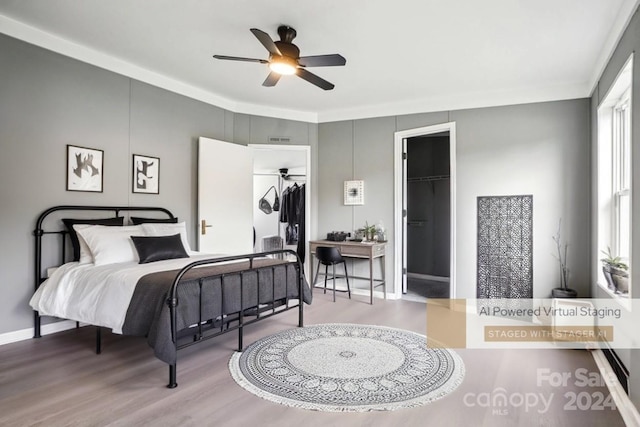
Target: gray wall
pixel 49 101
pixel 629 43
pixel 540 149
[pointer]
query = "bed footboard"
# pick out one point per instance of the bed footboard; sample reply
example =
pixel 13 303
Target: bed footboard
pixel 260 291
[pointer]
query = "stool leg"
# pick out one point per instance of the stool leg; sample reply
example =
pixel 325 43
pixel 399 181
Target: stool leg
pixel 346 275
pixel 333 269
pixel 326 270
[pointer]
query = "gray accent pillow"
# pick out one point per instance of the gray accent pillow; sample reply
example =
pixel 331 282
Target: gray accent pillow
pixel 136 220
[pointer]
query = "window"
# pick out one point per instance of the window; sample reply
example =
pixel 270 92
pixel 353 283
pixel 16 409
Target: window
pixel 614 170
pixel 621 176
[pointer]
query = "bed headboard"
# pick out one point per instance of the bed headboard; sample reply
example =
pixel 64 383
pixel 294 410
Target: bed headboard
pixel 40 231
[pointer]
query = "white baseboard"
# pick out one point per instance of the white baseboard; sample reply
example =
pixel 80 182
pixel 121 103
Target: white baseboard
pixel 428 277
pixel 627 410
pixel 25 334
pixel 357 291
pixel 376 294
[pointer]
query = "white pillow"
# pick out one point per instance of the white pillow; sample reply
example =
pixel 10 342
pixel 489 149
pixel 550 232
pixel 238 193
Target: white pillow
pixel 110 245
pixel 86 257
pixel 166 229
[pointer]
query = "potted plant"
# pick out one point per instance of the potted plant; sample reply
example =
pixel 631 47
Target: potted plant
pixel 563 291
pixel 615 271
pixel 370 232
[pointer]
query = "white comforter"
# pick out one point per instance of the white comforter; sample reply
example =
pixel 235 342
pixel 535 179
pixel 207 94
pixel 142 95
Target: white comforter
pixel 98 295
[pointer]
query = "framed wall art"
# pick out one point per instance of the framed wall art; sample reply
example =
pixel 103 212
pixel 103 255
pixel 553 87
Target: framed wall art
pixel 146 174
pixel 354 192
pixel 84 169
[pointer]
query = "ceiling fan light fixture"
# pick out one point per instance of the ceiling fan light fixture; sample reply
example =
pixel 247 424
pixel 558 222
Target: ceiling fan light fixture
pixel 285 59
pixel 283 65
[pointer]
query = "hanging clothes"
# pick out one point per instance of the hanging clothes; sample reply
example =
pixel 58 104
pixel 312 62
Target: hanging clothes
pixel 292 212
pixel 287 214
pixel 301 249
pixel 284 204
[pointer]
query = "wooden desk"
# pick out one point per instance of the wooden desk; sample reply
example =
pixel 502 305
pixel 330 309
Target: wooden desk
pixel 358 250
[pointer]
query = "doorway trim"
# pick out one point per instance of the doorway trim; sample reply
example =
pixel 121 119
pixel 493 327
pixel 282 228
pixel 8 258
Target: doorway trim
pixel 399 200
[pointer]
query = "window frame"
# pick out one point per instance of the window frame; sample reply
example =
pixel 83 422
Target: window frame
pixel 621 173
pixel 613 176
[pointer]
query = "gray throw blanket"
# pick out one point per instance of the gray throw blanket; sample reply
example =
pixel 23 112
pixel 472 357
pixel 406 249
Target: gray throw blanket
pixel 148 314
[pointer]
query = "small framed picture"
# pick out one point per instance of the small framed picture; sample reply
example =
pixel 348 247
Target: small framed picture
pixel 354 192
pixel 146 174
pixel 84 169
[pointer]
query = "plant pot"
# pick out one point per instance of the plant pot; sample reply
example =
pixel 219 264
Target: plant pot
pixel 620 279
pixel 563 293
pixel 606 270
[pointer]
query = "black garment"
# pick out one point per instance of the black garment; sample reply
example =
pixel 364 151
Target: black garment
pixel 291 234
pixel 301 249
pixel 292 206
pixel 284 204
pixel 292 212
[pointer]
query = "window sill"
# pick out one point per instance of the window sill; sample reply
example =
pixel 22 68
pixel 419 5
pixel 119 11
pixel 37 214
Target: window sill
pixel 623 299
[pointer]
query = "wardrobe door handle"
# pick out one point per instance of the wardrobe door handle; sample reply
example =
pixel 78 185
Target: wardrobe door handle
pixel 205 226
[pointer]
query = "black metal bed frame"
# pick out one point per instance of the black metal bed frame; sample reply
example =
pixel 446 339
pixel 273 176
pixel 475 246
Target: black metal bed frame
pixel 204 329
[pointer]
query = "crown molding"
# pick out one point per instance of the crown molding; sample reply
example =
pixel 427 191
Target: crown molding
pixel 625 14
pixel 462 101
pixel 99 59
pixel 91 56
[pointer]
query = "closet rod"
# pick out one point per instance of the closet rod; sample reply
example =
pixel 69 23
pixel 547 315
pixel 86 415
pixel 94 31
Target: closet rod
pixel 428 178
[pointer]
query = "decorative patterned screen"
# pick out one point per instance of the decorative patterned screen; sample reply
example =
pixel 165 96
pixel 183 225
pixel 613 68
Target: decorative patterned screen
pixel 505 247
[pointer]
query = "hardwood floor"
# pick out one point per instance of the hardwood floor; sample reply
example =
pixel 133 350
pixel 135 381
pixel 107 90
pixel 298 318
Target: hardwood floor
pixel 58 381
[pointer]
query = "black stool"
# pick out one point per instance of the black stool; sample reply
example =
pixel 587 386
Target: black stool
pixel 330 256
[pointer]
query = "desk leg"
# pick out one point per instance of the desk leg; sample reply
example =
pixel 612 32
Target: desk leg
pixel 371 279
pixel 384 277
pixel 311 273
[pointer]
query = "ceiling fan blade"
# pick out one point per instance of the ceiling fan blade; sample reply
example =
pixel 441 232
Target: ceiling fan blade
pixel 322 60
pixel 266 41
pixel 271 79
pixel 238 58
pixel 313 79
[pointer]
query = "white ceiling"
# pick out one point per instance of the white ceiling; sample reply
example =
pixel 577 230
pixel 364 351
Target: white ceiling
pixel 269 160
pixel 402 56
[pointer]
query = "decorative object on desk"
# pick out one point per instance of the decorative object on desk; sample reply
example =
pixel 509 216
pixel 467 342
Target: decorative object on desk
pixel 265 206
pixel 382 235
pixel 84 169
pixel 146 174
pixel 347 368
pixel 354 192
pixel 563 291
pixel 615 272
pixel 338 236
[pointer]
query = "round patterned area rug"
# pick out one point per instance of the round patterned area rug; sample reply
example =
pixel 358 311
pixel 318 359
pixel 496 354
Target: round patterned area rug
pixel 347 367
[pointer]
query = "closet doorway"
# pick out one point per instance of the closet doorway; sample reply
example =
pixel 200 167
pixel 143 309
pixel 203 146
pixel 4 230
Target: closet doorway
pixel 425 212
pixel 282 170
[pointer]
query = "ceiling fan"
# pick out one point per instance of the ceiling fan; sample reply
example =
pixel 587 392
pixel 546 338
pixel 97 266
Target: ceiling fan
pixel 285 59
